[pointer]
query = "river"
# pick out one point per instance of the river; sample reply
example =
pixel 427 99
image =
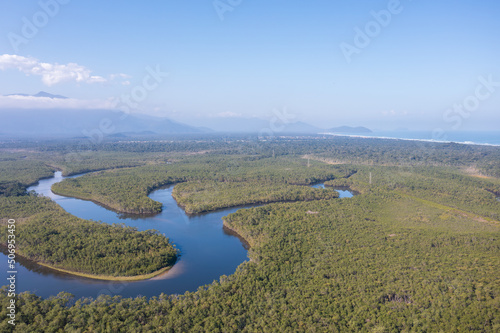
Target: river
pixel 207 249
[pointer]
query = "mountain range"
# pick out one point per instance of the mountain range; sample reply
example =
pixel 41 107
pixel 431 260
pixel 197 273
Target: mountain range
pixel 40 94
pixel 92 122
pixel 57 122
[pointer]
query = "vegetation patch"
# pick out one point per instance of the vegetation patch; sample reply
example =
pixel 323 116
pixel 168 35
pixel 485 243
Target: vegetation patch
pixel 198 197
pixel 52 237
pixel 417 251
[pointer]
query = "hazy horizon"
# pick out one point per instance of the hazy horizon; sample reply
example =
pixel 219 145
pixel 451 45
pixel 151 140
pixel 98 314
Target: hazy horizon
pixel 379 64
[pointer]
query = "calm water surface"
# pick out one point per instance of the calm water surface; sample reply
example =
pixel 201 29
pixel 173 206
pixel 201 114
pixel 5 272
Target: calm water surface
pixel 207 249
pixel 344 192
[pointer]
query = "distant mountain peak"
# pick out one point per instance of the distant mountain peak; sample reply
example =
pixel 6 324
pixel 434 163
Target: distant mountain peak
pixel 56 122
pixel 41 94
pixel 46 94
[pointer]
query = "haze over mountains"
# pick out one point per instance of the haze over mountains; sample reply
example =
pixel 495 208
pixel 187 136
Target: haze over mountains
pixel 85 122
pixel 40 94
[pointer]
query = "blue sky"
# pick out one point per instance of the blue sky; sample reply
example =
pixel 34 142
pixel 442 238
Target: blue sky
pixel 250 57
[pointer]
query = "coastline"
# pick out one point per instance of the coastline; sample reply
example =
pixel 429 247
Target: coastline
pixel 360 136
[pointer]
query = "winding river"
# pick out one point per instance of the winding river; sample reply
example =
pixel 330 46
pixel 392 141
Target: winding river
pixel 207 249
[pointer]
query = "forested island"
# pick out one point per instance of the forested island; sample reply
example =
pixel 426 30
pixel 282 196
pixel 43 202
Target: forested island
pixel 417 250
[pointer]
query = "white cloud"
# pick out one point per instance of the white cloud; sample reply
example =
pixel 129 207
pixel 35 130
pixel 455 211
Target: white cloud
pixel 119 76
pixel 32 102
pixel 53 73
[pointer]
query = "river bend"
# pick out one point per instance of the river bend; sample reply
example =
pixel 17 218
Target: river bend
pixel 207 249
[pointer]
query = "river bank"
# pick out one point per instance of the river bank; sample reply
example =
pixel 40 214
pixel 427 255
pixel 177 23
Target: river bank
pixel 209 249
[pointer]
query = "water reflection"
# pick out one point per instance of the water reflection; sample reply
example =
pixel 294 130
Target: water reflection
pixel 207 249
pixel 344 191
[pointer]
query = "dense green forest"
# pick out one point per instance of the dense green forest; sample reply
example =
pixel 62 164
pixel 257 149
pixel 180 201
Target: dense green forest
pixel 49 235
pixel 17 172
pixel 417 251
pixel 126 190
pixel 88 157
pixel 198 197
pixel 356 265
pixel 443 186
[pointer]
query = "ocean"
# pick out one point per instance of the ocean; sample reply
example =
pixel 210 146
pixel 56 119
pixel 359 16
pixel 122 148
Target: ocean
pixel 465 137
